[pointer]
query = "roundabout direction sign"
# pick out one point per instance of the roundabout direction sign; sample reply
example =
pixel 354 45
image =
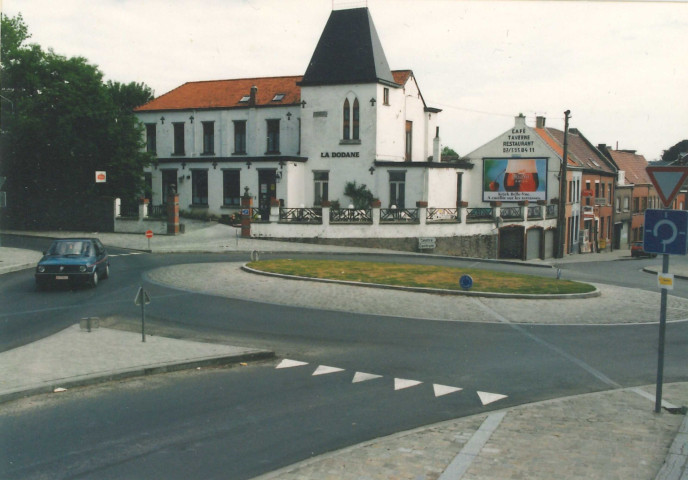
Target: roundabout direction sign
pixel 665 233
pixel 466 282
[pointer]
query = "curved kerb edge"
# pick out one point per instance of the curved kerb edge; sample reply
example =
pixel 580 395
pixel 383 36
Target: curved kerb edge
pixel 552 296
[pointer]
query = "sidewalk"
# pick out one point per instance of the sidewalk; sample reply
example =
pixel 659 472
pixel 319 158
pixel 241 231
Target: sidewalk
pixel 605 435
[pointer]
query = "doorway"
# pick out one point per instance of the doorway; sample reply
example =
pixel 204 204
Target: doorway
pixel 267 190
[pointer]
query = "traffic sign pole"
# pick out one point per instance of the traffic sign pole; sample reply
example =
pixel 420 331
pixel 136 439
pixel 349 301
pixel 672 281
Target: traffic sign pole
pixel 662 333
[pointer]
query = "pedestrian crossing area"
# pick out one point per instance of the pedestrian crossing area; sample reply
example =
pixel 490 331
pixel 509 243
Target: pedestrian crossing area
pixel 439 390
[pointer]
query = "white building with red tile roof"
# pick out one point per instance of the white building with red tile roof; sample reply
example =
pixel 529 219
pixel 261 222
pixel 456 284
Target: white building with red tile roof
pixel 296 144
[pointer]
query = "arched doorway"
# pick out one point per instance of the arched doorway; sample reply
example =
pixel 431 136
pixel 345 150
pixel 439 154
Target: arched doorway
pixel 511 242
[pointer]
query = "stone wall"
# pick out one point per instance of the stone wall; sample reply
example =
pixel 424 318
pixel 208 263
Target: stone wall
pixel 476 246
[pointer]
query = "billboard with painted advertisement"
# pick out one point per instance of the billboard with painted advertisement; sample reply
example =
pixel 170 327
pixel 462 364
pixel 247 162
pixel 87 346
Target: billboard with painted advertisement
pixel 514 179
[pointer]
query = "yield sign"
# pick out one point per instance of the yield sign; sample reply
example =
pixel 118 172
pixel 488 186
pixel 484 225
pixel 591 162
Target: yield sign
pixel 667 181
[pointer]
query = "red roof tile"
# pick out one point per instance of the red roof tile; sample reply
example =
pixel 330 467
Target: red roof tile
pixel 227 94
pixel 633 165
pixel 401 76
pixel 580 152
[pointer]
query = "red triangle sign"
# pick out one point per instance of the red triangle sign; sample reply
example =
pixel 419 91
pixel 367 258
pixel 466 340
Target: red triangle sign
pixel 668 181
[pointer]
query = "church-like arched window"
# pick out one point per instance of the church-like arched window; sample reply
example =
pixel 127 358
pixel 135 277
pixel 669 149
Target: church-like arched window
pixel 355 123
pixel 346 120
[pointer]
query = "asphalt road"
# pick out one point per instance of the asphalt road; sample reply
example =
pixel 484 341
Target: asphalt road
pixel 238 423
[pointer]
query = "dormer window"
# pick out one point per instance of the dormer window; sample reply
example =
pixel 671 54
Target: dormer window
pixel 278 97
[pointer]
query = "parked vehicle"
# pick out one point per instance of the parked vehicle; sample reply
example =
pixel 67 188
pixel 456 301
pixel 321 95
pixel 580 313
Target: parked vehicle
pixel 638 251
pixel 73 261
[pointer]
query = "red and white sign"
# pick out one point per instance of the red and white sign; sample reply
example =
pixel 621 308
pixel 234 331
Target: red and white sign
pixel 668 181
pixel 149 233
pixel 101 177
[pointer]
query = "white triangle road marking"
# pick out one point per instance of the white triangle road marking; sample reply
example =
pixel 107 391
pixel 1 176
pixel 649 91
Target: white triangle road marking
pixel 401 383
pixel 324 370
pixel 290 363
pixel 362 377
pixel 444 389
pixel 487 397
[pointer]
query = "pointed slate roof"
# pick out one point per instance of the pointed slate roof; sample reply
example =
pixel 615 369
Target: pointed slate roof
pixel 349 51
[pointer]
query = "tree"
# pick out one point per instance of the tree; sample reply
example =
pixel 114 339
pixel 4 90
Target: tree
pixel 448 151
pixel 673 153
pixel 65 124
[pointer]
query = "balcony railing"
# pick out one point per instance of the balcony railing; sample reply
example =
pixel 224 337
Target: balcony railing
pixel 551 211
pixel 478 214
pixel 351 215
pixel 535 211
pixel 511 213
pixel 129 210
pixel 157 211
pixel 260 214
pixel 399 215
pixel 300 215
pixel 442 215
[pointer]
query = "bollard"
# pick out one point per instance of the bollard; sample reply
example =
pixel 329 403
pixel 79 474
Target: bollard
pixel 89 323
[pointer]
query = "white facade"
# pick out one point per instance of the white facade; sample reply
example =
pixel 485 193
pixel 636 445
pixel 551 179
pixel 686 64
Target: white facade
pixel 378 133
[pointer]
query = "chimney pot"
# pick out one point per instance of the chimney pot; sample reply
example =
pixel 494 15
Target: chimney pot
pixel 252 97
pixel 540 122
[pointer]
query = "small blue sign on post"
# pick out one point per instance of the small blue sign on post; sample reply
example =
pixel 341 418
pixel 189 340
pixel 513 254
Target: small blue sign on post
pixel 666 231
pixel 466 282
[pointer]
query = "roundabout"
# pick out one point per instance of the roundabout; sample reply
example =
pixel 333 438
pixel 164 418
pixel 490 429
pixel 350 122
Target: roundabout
pixel 610 307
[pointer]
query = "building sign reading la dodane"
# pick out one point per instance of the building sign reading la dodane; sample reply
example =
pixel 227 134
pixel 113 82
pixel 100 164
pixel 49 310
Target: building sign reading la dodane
pixel 514 179
pixel 339 154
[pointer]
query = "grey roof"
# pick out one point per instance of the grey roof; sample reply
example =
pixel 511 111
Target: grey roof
pixel 349 51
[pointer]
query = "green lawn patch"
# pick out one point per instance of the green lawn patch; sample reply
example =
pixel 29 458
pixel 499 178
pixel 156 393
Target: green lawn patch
pixel 427 276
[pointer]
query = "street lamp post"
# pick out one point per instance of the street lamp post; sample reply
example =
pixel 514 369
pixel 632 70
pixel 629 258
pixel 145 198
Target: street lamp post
pixel 561 217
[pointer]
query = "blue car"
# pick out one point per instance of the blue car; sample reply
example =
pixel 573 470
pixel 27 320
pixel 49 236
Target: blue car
pixel 73 261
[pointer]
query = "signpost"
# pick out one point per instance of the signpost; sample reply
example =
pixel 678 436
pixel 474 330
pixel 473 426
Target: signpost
pixel 143 299
pixel 101 177
pixel 149 235
pixel 665 233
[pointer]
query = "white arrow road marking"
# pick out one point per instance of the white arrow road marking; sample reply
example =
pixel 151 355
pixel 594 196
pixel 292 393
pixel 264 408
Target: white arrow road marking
pixel 290 363
pixel 324 370
pixel 401 383
pixel 487 397
pixel 362 377
pixel 444 389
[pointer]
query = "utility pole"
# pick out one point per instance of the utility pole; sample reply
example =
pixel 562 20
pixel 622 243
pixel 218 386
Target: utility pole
pixel 561 217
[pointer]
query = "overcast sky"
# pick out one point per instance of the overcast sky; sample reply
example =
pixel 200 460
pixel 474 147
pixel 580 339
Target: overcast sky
pixel 620 67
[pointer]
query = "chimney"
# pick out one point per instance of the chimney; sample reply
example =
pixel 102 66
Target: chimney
pixel 252 98
pixel 540 122
pixel 621 180
pixel 436 153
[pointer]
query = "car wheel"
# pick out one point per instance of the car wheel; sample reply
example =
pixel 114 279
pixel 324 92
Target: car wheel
pixel 94 279
pixel 106 273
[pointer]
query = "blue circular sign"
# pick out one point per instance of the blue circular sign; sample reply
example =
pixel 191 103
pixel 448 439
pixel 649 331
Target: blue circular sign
pixel 466 282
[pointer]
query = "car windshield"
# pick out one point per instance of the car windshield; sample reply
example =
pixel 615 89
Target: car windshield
pixel 71 247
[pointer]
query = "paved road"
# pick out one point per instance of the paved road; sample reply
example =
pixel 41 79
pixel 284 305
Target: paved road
pixel 523 362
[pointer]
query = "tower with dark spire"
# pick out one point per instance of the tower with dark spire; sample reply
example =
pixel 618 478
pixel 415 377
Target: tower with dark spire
pixel 348 52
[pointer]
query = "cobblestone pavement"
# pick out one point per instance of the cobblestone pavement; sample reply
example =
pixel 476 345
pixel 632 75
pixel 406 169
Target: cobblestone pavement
pixel 227 279
pixel 605 436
